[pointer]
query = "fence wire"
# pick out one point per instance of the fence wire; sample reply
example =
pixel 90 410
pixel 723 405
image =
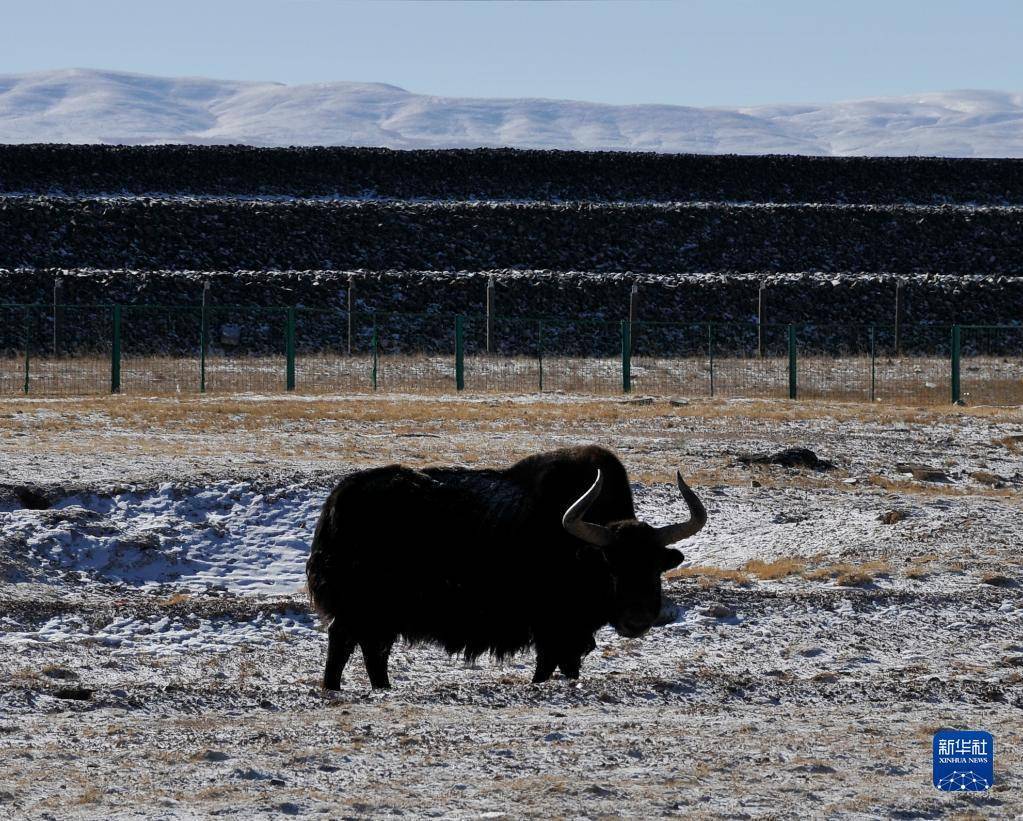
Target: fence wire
pixel 160 349
pixel 991 373
pixel 68 350
pixel 13 338
pixel 582 356
pixel 333 352
pixel 749 362
pixel 74 350
pixel 671 360
pixel 915 368
pixel 245 350
pixel 415 353
pixel 502 355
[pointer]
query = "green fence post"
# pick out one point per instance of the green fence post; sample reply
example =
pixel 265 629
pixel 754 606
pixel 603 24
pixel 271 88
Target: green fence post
pixel 115 353
pixel 956 345
pixel 539 350
pixel 792 362
pixel 203 344
pixel 374 342
pixel 710 354
pixel 873 364
pixel 626 356
pixel 459 353
pixel 290 350
pixel 28 338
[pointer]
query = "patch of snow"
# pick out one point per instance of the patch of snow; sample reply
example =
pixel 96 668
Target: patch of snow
pixel 225 535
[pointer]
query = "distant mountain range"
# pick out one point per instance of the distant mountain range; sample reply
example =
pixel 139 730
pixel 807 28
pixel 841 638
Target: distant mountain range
pixel 91 106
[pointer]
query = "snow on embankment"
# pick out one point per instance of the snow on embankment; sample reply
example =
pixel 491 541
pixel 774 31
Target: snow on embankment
pixel 227 536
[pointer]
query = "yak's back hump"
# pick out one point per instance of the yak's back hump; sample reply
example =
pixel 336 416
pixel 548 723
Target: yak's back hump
pixel 557 478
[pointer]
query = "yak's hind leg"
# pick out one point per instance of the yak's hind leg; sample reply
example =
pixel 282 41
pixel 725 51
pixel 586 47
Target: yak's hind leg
pixel 340 645
pixel 375 653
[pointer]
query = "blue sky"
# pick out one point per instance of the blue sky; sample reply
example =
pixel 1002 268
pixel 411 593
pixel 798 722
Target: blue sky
pixel 689 52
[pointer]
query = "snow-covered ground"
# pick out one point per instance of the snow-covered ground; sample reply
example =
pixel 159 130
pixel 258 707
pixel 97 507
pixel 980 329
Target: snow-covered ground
pixel 85 106
pixel 158 656
pixel 224 534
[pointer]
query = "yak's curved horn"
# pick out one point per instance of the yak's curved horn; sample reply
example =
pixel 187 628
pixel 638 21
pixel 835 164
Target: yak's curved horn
pixel 669 534
pixel 573 522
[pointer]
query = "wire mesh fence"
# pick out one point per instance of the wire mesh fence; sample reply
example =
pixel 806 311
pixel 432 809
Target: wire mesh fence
pixel 913 366
pixel 13 338
pixel 750 361
pixel 414 353
pixel 175 368
pixel 245 350
pixel 73 350
pixel 671 360
pixel 836 362
pixel 63 352
pixel 333 351
pixel 990 373
pixel 503 354
pixel 582 356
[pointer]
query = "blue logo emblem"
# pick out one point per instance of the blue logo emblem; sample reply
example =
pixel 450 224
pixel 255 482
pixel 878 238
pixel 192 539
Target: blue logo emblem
pixel 964 760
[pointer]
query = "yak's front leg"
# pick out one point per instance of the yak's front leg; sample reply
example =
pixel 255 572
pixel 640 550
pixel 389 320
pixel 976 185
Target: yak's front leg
pixel 571 663
pixel 546 664
pixel 570 667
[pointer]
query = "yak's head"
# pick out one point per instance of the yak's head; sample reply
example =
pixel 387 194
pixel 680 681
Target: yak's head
pixel 636 555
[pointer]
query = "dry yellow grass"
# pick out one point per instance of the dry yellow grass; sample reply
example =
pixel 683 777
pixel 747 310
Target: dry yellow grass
pixel 918 566
pixel 709 576
pixel 246 669
pixel 778 569
pixel 90 795
pixel 848 575
pixel 210 412
pixel 915 488
pixel 24 675
pixel 177 598
pixel 1013 443
pixel 843 574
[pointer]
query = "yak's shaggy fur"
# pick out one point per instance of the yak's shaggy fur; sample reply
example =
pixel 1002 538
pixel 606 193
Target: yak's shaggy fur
pixel 478 561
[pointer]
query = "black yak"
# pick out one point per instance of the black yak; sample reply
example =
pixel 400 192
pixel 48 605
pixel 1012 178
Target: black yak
pixel 542 554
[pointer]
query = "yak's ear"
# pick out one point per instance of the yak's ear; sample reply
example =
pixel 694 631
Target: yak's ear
pixel 671 558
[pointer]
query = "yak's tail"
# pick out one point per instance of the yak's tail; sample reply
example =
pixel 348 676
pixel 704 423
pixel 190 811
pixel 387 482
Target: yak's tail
pixel 322 567
pixel 338 556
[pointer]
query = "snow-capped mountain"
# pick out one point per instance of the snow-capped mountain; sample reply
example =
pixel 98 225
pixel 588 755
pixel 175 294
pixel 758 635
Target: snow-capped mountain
pixel 86 106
